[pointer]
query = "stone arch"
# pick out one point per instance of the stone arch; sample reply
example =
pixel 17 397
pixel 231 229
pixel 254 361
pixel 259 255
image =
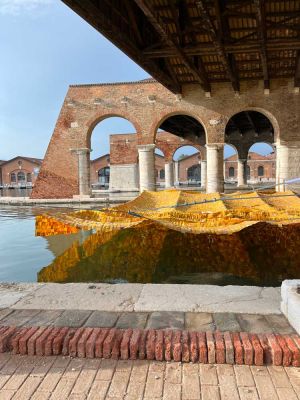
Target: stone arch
pixel 197 147
pixel 98 118
pixel 263 111
pixel 163 116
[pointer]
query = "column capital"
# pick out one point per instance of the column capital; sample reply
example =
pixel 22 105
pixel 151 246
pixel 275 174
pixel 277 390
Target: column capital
pixel 215 146
pixel 146 147
pixel 83 150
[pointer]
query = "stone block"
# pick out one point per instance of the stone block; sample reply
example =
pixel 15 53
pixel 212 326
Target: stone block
pixel 132 320
pixel 72 318
pixel 102 319
pixel 226 322
pixel 200 322
pixel 166 320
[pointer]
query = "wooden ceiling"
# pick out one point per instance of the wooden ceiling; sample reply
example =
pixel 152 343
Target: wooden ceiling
pixel 202 41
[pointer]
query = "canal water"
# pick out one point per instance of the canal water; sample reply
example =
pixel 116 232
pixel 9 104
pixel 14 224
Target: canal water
pixel 262 256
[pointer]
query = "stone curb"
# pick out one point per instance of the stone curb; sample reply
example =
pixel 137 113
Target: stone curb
pixel 160 345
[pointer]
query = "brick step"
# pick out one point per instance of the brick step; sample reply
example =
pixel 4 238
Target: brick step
pixel 153 344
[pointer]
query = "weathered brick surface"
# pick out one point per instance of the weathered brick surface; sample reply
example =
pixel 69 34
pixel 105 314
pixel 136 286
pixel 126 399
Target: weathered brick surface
pixel 258 350
pixel 238 349
pixel 202 347
pixel 248 349
pixel 99 342
pixel 154 344
pixel 220 348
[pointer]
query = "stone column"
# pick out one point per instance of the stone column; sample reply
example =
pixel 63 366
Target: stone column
pixel 177 173
pixel 147 167
pixel 241 172
pixel 282 166
pixel 215 173
pixel 84 176
pixel 203 174
pixel 169 174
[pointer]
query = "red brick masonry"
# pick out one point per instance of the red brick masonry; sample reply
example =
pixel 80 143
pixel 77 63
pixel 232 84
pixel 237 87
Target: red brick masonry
pixel 204 347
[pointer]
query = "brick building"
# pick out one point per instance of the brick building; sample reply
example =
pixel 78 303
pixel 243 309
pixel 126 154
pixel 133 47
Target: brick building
pixel 259 168
pixel 19 171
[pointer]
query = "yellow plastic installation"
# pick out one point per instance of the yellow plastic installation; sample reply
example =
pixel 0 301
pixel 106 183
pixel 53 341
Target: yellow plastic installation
pixel 184 211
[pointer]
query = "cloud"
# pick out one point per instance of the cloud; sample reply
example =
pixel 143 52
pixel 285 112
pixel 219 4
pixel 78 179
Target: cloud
pixel 17 7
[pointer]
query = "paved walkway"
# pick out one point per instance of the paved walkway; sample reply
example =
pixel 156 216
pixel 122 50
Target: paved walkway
pixel 59 378
pixel 251 323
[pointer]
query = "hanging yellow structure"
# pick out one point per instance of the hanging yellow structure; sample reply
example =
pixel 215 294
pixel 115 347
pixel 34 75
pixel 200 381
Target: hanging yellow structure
pixel 183 211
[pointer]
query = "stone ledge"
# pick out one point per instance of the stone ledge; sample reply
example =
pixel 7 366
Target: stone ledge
pixel 290 304
pixel 141 297
pixel 160 345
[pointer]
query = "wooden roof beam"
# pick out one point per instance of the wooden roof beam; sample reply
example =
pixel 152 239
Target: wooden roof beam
pixel 252 123
pixel 262 31
pixel 160 28
pixel 218 44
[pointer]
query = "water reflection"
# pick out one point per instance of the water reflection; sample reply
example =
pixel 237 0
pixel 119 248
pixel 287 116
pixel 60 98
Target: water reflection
pixel 262 255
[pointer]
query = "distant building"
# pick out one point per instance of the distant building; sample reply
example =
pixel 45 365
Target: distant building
pixel 19 171
pixel 259 168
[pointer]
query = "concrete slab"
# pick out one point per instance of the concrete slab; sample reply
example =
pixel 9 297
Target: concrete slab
pixel 82 296
pixel 12 292
pixel 209 298
pixel 73 319
pixel 102 319
pixel 290 304
pixel 163 320
pixel 132 320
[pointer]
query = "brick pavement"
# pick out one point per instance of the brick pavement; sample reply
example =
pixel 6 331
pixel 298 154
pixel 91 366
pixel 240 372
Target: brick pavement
pixel 59 378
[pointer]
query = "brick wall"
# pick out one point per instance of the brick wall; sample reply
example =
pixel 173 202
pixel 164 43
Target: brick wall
pixel 86 105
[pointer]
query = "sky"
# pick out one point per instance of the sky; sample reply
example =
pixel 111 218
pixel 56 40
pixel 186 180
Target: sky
pixel 44 48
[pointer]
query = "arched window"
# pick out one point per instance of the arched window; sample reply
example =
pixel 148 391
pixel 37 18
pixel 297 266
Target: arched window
pixel 231 172
pixel 13 177
pixel 260 171
pixel 162 174
pixel 104 174
pixel 248 172
pixel 29 177
pixel 21 176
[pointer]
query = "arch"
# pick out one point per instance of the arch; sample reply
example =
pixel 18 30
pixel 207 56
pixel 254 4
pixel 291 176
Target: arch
pixel 97 119
pixel 266 113
pixel 198 150
pixel 230 150
pixel 270 145
pixel 158 151
pixel 162 117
